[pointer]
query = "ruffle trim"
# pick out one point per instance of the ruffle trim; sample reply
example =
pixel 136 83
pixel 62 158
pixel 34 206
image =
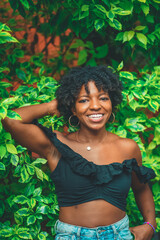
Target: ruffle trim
pixel 99 173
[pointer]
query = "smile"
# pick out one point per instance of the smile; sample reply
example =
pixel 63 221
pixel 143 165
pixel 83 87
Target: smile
pixel 96 116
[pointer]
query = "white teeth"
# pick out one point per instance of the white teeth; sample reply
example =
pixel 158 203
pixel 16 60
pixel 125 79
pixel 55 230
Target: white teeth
pixel 95 116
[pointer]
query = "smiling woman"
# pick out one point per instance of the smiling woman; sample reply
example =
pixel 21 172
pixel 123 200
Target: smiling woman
pixel 92 168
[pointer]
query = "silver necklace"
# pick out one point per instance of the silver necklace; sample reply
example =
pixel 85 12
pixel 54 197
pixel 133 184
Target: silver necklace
pixel 89 148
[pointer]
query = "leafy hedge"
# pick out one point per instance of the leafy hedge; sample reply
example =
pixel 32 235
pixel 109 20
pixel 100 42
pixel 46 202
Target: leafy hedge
pixel 123 34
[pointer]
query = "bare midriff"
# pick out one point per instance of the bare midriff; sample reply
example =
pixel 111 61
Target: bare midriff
pixel 91 214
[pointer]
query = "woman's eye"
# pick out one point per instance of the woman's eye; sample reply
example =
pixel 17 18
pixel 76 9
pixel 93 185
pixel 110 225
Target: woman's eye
pixel 104 98
pixel 83 101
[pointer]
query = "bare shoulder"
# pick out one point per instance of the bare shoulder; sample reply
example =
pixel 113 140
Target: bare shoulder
pixel 129 148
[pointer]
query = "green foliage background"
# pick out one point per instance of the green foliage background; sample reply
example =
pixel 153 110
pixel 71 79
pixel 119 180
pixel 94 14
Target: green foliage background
pixel 122 34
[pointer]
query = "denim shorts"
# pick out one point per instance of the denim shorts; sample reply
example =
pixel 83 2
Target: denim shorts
pixel 117 231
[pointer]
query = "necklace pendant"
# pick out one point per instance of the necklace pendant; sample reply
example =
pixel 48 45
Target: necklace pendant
pixel 88 148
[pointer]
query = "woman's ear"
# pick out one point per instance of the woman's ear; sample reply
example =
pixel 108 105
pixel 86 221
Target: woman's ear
pixel 73 111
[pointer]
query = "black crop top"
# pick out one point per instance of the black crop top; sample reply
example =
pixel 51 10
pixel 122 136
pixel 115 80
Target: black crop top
pixel 78 180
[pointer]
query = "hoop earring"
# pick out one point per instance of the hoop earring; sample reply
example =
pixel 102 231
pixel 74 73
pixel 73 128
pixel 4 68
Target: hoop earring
pixel 69 120
pixel 113 117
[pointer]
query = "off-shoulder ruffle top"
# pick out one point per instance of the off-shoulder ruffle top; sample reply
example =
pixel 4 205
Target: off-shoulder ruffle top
pixel 78 180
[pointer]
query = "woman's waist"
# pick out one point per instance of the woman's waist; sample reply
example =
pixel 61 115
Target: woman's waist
pixel 91 214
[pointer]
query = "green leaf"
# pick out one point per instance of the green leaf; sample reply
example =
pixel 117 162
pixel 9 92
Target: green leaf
pixel 9 101
pixel 3 69
pixel 32 202
pixel 37 192
pixel 24 174
pixel 140 28
pixel 21 74
pixel 137 127
pixel 30 169
pixel 98 24
pixel 21 199
pixel 42 236
pixel 2 166
pixel 31 219
pixel 101 8
pixel 120 66
pixel 82 57
pixel 25 3
pixel 115 24
pixel 39 173
pixel 153 105
pixel 43 97
pixel 13 115
pixel 3 112
pixel 143 1
pixel 11 148
pixel 42 209
pixel 119 36
pixel 101 51
pixel 14 159
pixel 83 15
pixel 4 27
pixel 122 12
pixel 110 15
pixel 25 235
pixel 125 74
pixel 85 8
pixel 23 212
pixel 133 104
pixel 130 35
pixel 39 160
pixel 6 232
pixel 2 151
pixel 145 8
pixel 142 38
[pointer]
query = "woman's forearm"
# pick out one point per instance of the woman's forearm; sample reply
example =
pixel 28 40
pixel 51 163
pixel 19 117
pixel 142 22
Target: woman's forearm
pixel 146 205
pixel 29 113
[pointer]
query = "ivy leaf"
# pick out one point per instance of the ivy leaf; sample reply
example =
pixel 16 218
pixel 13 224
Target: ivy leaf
pixel 99 23
pixel 31 219
pixel 21 199
pixel 2 166
pixel 153 105
pixel 11 148
pixel 25 3
pixel 120 66
pixel 42 209
pixel 9 101
pixel 125 74
pixel 130 35
pixel 2 151
pixel 39 173
pixel 24 174
pixel 142 38
pixel 140 28
pixel 3 112
pixel 115 24
pixel 14 159
pixel 39 160
pixel 13 115
pixel 23 212
pixel 82 57
pixel 6 232
pixel 101 8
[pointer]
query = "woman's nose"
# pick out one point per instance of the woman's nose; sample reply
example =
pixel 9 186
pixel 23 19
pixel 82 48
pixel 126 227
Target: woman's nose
pixel 94 104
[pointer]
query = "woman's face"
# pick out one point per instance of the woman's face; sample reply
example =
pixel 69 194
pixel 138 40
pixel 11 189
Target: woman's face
pixel 93 109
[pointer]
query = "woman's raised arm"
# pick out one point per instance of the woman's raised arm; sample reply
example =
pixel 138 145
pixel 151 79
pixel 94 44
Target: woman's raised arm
pixel 28 134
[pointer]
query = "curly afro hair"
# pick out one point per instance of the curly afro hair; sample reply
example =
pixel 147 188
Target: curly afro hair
pixel 71 83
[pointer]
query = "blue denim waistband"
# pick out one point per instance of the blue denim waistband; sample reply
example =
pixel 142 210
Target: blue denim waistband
pixel 61 227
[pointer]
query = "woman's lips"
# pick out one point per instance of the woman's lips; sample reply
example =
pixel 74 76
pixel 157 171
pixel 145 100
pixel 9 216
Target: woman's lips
pixel 96 117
